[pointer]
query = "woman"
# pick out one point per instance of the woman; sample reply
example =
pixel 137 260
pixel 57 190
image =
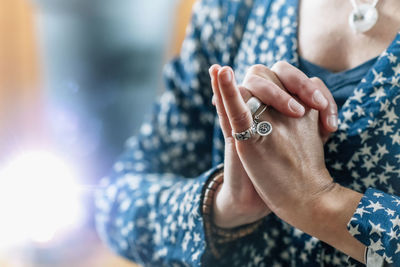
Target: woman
pixel 279 196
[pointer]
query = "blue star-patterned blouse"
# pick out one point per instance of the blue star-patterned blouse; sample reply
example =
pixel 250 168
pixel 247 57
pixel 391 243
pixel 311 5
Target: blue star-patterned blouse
pixel 149 207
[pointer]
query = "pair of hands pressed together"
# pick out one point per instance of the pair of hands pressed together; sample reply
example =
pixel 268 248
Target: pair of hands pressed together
pixel 285 172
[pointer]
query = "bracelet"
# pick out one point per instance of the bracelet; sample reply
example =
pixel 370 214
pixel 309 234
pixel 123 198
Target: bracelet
pixel 214 234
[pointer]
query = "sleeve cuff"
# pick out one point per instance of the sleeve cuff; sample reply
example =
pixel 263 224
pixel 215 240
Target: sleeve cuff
pixel 376 224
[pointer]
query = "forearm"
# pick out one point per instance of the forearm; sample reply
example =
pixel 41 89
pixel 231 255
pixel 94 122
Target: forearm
pixel 331 216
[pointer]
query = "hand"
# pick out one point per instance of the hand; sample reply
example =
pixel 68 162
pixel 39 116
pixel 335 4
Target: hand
pixel 237 194
pixel 236 202
pixel 272 87
pixel 287 169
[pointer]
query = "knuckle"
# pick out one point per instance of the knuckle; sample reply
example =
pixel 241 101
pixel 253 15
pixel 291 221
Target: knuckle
pixel 303 87
pixel 279 65
pixel 229 141
pixel 316 80
pixel 251 79
pixel 241 118
pixel 221 115
pixel 258 68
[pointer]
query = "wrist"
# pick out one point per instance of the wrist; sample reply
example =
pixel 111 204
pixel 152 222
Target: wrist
pixel 226 213
pixel 231 211
pixel 327 217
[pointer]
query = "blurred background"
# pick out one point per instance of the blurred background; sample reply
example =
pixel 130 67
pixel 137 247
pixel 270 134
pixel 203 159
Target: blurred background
pixel 76 78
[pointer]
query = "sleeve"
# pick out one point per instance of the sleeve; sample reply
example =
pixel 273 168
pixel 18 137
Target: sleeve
pixel 376 224
pixel 148 208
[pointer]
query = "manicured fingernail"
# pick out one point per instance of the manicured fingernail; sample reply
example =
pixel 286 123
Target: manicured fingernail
pixel 226 76
pixel 333 121
pixel 319 99
pixel 296 106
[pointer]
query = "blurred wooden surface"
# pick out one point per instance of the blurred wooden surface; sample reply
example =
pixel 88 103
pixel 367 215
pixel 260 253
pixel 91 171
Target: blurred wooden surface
pixel 182 18
pixel 20 98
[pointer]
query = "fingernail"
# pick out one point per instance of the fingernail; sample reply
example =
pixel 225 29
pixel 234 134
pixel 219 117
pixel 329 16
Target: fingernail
pixel 210 70
pixel 226 76
pixel 319 99
pixel 296 106
pixel 333 121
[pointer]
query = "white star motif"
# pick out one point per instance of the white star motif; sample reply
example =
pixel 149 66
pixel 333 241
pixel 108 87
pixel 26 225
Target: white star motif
pixel 389 212
pixel 358 95
pixel 332 147
pixel 388 259
pixel 395 81
pixel 360 111
pixel 382 150
pixel 377 195
pixel 397 249
pixel 343 126
pixel 392 58
pixel 388 167
pixel 196 237
pixel 365 150
pixel 395 138
pixel 369 181
pixel 378 93
pixel 391 115
pixel 375 246
pixel 392 234
pixel 395 221
pixel 384 105
pixel 196 255
pixel 354 230
pixel 396 69
pixel 348 115
pixel 368 163
pixel 257 259
pixel 382 177
pixel 378 77
pixel 303 257
pixel 375 206
pixel 361 211
pixel 397 201
pixel 364 136
pixel 342 136
pixel 337 166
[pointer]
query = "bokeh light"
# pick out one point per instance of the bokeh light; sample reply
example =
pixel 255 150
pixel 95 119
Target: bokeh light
pixel 39 199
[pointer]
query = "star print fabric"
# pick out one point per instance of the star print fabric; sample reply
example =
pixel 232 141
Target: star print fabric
pixel 149 208
pixel 376 223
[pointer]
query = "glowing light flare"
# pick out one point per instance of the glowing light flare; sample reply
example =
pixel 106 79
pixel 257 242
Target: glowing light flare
pixel 39 198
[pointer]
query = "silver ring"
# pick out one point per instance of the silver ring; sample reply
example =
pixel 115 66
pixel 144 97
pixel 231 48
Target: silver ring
pixel 263 128
pixel 257 116
pixel 247 134
pixel 254 104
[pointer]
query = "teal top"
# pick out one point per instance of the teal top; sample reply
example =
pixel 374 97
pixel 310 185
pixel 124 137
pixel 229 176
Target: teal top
pixel 341 84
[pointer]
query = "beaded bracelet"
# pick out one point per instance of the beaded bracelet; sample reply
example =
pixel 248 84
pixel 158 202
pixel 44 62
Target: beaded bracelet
pixel 214 234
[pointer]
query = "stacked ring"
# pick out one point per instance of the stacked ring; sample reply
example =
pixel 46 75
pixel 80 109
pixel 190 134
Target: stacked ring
pixel 262 128
pixel 254 104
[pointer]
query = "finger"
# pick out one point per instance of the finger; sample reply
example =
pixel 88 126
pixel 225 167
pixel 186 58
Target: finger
pixel 238 113
pixel 222 116
pixel 273 95
pixel 245 93
pixel 296 82
pixel 328 116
